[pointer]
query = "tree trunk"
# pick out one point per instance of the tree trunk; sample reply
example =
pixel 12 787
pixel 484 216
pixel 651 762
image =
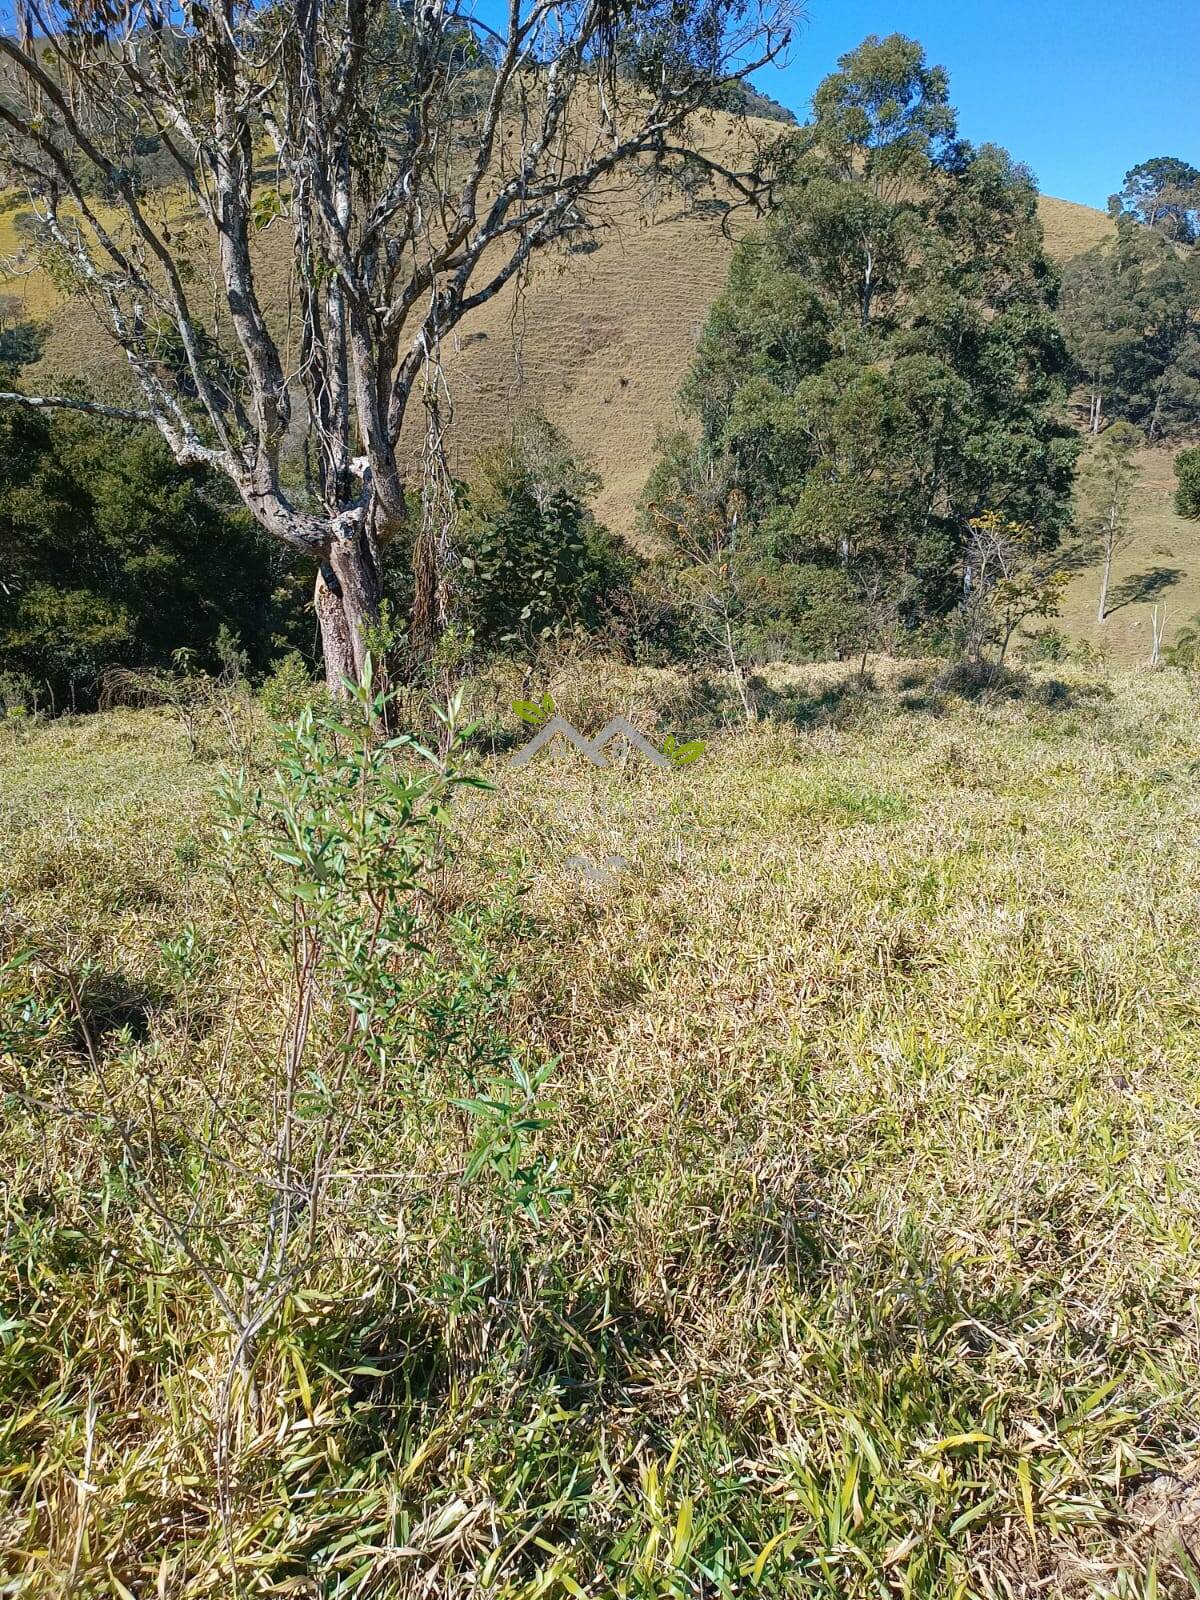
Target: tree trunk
pixel 347 600
pixel 1154 417
pixel 1096 413
pixel 1158 622
pixel 1104 581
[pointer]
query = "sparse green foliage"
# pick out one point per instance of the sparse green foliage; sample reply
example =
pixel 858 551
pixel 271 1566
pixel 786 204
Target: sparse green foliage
pixel 1187 492
pixel 1009 578
pixel 1106 481
pixel 290 689
pixel 534 713
pixel 1184 651
pixel 682 755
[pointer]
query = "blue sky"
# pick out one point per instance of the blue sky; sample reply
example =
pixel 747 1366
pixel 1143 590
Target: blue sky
pixel 1079 91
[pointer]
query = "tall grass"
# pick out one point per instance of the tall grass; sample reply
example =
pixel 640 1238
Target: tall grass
pixel 809 1208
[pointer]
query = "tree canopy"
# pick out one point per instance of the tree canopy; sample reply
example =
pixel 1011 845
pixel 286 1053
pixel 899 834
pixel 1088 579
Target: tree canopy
pixel 1164 193
pixel 1131 315
pixel 114 554
pixel 885 363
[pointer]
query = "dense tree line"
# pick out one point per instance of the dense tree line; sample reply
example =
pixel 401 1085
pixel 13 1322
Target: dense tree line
pixel 1131 314
pixel 113 554
pixel 885 366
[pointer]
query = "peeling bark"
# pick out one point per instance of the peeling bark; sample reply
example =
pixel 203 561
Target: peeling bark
pixel 406 212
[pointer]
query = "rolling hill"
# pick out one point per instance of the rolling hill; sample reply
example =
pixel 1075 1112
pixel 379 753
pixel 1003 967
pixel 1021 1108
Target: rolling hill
pixel 600 339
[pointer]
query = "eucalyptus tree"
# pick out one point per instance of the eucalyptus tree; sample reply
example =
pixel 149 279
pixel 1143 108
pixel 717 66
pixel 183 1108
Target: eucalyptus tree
pixel 418 154
pixel 1131 317
pixel 1108 474
pixel 885 364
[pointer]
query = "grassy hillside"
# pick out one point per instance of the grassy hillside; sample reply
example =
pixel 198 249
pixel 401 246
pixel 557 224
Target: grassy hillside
pixel 868 1261
pixel 1071 229
pixel 598 340
pixel 1160 566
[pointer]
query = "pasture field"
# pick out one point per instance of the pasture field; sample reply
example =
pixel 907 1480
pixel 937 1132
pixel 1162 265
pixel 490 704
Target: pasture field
pixel 1160 566
pixel 804 1205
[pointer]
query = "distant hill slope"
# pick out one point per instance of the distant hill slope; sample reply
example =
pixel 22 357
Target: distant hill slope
pixel 1160 566
pixel 599 341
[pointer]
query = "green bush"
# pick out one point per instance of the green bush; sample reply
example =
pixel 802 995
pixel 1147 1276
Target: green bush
pixel 18 694
pixel 1187 494
pixel 1048 644
pixel 290 688
pixel 115 556
pixel 533 560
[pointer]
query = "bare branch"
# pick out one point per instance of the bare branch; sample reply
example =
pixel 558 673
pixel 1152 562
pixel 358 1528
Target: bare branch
pixel 93 408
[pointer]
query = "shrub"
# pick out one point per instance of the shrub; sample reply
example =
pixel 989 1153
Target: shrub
pixel 18 694
pixel 290 688
pixel 533 559
pixel 115 556
pixel 1184 652
pixel 1048 644
pixel 1187 494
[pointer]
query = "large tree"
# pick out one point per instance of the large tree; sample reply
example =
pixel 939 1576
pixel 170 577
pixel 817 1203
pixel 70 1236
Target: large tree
pixel 1164 193
pixel 1131 315
pixel 885 364
pixel 419 155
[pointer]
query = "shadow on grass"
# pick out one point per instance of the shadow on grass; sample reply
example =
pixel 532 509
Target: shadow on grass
pixel 1141 588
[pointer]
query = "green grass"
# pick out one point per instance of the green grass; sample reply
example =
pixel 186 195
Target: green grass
pixel 874 1098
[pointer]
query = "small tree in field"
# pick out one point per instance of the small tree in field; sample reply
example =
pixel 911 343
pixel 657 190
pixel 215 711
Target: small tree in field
pixel 418 156
pixel 1008 580
pixel 1106 479
pixel 697 521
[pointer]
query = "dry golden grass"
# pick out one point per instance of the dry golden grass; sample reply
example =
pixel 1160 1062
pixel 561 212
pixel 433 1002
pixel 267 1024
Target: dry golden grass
pixel 1160 566
pixel 1071 228
pixel 875 1094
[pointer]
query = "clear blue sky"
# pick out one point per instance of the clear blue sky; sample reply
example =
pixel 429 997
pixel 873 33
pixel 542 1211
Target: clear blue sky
pixel 1079 91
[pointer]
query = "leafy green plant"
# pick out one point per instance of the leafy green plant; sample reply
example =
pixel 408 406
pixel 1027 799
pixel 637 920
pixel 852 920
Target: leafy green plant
pixel 372 1015
pixel 533 561
pixel 534 713
pixel 682 755
pixel 1187 492
pixel 290 688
